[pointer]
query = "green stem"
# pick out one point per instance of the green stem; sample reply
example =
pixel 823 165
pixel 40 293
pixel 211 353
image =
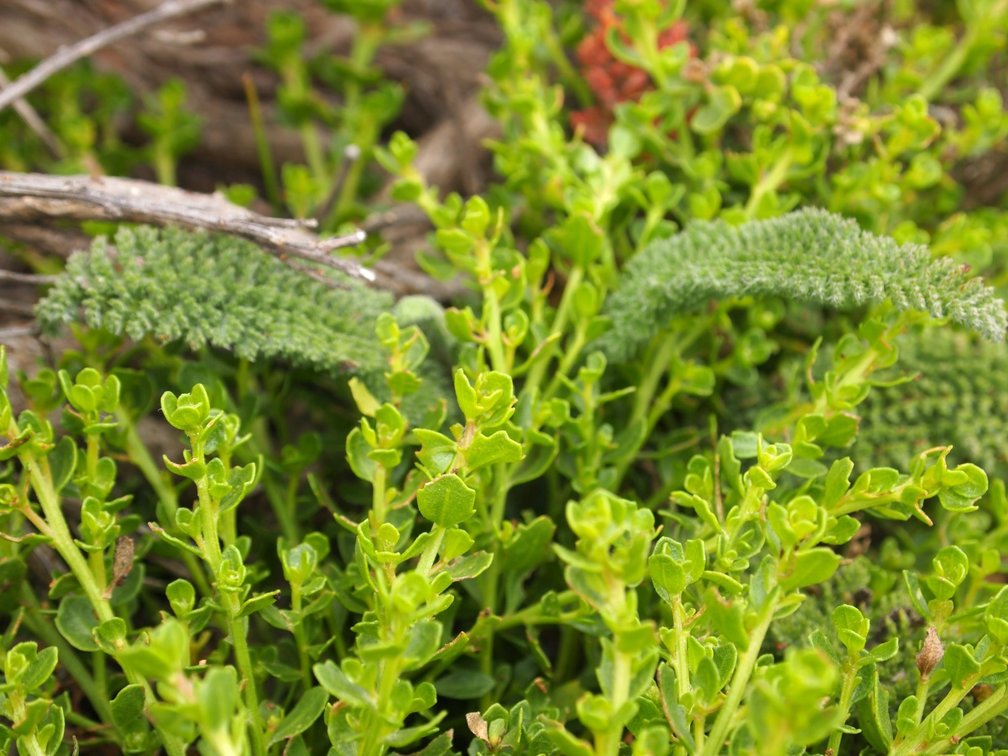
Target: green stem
pixel 494 336
pixel 362 54
pixel 164 165
pixel 426 561
pixel 238 629
pixel 992 706
pixel 62 541
pixel 378 506
pixel 855 375
pixel 299 637
pixel 100 673
pixel 608 742
pixel 768 182
pixel 565 71
pixel 699 736
pixel 846 693
pixel 374 734
pixel 537 372
pixel 491 577
pixel 923 684
pixel 740 681
pixel 139 455
pixel 917 740
pixel 646 408
pixel 680 662
pixel 269 177
pixel 279 503
pixel 951 65
pixel 208 512
pixel 41 481
pixel 571 355
pixel 313 150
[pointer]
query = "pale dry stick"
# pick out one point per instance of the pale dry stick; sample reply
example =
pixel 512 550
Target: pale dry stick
pixel 35 196
pixel 34 121
pixel 19 331
pixel 69 55
pixel 13 276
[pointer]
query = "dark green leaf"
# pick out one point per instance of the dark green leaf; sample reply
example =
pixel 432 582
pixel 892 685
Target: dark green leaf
pixel 308 708
pixel 464 684
pixel 75 620
pixel 960 663
pixel 811 567
pixel 339 685
pixel 446 501
pixel 40 669
pixel 470 566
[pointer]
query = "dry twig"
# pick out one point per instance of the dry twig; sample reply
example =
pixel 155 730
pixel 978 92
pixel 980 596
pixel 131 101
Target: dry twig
pixel 33 196
pixel 66 56
pixel 12 276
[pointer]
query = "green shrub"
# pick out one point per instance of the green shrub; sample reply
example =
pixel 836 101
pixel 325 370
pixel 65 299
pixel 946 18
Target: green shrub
pixel 660 483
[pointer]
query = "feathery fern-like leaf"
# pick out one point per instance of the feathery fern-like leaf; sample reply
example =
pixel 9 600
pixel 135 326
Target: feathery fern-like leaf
pixel 809 256
pixel 959 397
pixel 218 291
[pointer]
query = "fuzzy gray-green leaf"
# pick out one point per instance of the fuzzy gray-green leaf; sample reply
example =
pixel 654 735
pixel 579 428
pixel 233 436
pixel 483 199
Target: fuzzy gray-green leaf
pixel 217 291
pixel 809 256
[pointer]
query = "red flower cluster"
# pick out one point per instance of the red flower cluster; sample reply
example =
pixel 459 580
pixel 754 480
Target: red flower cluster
pixel 611 81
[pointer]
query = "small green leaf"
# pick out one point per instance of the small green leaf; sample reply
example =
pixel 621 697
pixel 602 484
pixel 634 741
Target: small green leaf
pixel 723 102
pixel 566 743
pixel 63 462
pixel 334 680
pixel 885 651
pixel 527 547
pixel 422 643
pixel 128 711
pixel 446 501
pixel 181 596
pixel 464 684
pixel 676 711
pixel 465 395
pixel 960 663
pixel 257 603
pixel 962 495
pixel 916 594
pixel 160 654
pixel 470 566
pixel 218 697
pixel 851 627
pixel 706 679
pixel 302 716
pixel 489 450
pixel 996 616
pixel 811 567
pixel 873 711
pixel 193 469
pixel 366 402
pixel 75 620
pixel 40 669
pixel 456 543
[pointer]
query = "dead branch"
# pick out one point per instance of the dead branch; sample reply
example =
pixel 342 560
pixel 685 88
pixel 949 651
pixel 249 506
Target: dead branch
pixel 34 196
pixel 12 276
pixel 18 331
pixel 71 54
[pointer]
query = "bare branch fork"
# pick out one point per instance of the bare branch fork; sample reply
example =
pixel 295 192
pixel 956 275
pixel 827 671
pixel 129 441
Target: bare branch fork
pixel 67 56
pixel 35 196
